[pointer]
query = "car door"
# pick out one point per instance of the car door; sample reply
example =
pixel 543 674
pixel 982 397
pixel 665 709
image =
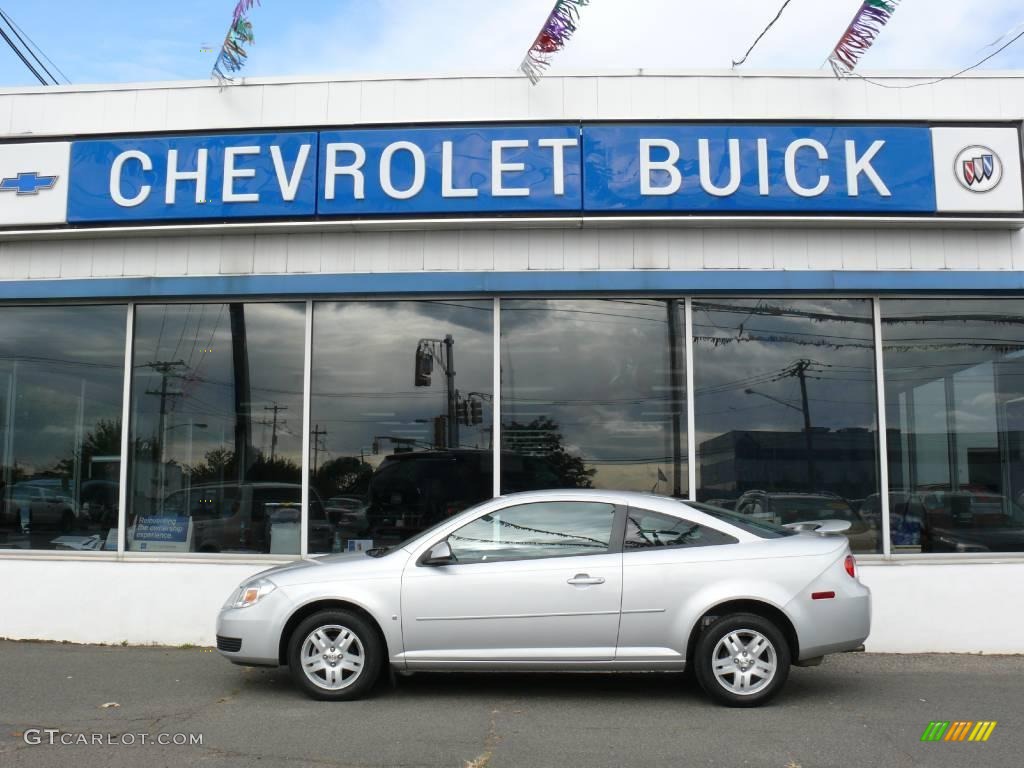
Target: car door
pixel 666 558
pixel 531 583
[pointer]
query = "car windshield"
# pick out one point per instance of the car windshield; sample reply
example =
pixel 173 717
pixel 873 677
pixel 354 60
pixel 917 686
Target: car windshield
pixel 756 526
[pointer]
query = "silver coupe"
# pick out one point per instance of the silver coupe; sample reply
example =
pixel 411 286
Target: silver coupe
pixel 562 580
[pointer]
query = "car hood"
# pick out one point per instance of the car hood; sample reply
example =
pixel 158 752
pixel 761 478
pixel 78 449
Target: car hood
pixel 348 565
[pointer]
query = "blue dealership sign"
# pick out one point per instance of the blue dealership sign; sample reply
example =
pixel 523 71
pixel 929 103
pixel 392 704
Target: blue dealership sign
pixel 226 176
pixel 519 169
pixel 750 168
pixel 559 169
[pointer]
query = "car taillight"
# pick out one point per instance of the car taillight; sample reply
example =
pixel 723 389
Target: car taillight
pixel 851 566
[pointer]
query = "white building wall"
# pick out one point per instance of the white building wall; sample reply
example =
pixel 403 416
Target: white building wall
pixel 515 250
pixel 918 607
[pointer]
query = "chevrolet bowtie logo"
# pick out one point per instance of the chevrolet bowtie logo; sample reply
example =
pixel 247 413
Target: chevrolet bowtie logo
pixel 27 183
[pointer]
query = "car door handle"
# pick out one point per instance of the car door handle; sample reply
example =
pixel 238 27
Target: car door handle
pixel 585 578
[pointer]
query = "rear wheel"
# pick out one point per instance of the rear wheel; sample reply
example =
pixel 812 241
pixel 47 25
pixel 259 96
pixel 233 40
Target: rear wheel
pixel 742 660
pixel 335 655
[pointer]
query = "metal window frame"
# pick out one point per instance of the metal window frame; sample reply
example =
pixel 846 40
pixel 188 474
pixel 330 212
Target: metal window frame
pixel 882 429
pixel 126 412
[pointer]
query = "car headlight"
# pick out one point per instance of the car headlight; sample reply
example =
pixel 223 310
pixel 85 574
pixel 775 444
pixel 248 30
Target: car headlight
pixel 251 593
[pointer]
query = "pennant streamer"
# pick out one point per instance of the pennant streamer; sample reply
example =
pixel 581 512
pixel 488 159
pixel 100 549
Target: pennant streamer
pixel 560 24
pixel 232 53
pixel 861 34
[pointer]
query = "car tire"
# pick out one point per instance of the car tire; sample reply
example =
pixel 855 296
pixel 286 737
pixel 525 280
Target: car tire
pixel 347 640
pixel 741 660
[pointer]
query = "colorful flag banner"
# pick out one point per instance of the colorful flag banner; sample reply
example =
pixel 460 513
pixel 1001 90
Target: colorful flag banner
pixel 559 27
pixel 232 52
pixel 860 35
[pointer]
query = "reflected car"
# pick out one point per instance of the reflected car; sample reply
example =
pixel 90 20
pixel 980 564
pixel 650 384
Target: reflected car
pixel 348 513
pixel 240 517
pixel 30 505
pixel 785 508
pixel 970 520
pixel 412 491
pixel 578 580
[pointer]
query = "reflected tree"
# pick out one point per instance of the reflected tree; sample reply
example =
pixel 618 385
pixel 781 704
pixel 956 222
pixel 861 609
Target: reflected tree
pixel 541 437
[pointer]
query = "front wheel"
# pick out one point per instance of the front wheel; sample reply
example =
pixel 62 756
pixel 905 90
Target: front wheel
pixel 742 660
pixel 335 655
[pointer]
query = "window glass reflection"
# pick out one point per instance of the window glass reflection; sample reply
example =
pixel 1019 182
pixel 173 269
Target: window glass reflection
pixel 532 531
pixel 593 395
pixel 954 383
pixel 61 379
pixel 216 429
pixel 400 432
pixel 785 410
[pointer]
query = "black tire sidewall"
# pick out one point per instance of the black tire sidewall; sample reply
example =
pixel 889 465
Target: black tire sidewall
pixel 372 647
pixel 704 658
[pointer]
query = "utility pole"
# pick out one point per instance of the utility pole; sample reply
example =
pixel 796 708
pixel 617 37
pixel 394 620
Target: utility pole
pixel 273 432
pixel 800 369
pixel 317 433
pixel 166 369
pixel 453 395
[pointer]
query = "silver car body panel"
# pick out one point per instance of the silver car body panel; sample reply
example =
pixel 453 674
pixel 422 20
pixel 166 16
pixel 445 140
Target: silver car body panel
pixel 634 609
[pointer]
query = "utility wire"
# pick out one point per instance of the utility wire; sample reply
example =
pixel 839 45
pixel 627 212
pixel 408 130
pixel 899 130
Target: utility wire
pixel 32 44
pixel 22 57
pixel 941 79
pixel 763 33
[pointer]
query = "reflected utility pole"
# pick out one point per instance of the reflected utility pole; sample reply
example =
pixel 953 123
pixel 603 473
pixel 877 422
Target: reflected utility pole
pixel 242 389
pixel 427 351
pixel 799 369
pixel 273 430
pixel 166 369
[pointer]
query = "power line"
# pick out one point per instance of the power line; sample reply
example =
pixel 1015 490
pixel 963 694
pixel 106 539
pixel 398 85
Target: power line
pixel 763 33
pixel 18 31
pixel 22 57
pixel 941 79
pixel 34 45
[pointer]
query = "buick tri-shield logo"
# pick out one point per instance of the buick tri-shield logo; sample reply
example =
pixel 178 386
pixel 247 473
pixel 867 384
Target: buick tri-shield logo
pixel 978 169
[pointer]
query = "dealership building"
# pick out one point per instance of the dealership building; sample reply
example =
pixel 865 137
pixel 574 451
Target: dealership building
pixel 247 323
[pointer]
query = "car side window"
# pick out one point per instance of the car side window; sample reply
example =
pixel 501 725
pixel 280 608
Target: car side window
pixel 538 530
pixel 646 530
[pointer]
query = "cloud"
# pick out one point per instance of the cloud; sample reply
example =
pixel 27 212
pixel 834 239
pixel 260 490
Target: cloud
pixel 457 36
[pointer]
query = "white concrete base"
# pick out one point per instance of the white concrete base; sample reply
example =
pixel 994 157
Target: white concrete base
pixel 918 607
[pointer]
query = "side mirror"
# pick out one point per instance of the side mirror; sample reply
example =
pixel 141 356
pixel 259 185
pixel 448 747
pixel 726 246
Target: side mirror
pixel 439 554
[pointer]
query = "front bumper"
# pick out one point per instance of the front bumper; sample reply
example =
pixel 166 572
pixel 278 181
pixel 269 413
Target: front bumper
pixel 254 631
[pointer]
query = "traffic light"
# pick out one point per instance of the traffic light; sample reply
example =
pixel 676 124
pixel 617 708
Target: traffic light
pixel 463 412
pixel 424 366
pixel 476 411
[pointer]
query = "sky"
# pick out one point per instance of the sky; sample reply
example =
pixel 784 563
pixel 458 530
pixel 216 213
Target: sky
pixel 94 41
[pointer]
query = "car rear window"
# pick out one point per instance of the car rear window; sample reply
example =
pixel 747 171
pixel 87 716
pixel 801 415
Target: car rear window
pixel 757 527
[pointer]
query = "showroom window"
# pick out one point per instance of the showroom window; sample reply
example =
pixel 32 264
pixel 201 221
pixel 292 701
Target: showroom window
pixel 61 381
pixel 954 395
pixel 786 410
pixel 532 531
pixel 651 530
pixel 400 417
pixel 216 428
pixel 593 395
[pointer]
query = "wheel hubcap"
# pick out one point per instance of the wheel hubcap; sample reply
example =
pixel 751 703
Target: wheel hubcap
pixel 332 657
pixel 744 662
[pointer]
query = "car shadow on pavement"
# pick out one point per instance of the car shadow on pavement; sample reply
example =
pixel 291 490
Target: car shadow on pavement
pixel 803 686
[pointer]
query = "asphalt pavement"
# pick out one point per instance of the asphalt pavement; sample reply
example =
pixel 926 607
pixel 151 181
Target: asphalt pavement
pixel 854 711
